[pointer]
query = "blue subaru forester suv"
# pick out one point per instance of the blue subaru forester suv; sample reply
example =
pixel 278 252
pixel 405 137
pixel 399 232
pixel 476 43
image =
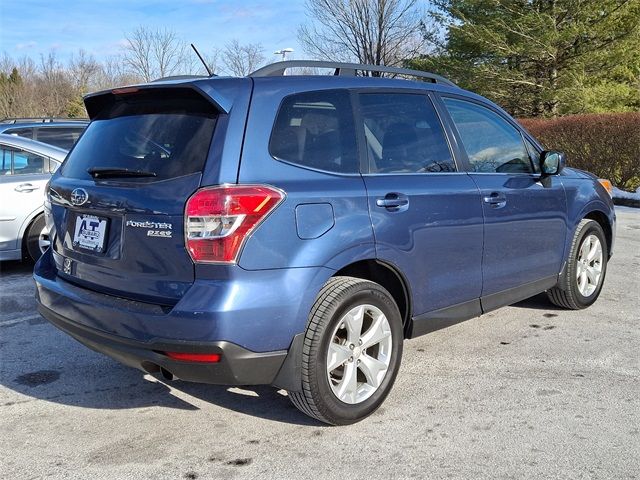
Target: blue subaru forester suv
pixel 294 230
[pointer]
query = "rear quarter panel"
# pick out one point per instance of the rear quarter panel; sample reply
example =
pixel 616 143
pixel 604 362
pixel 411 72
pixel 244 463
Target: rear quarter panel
pixel 281 240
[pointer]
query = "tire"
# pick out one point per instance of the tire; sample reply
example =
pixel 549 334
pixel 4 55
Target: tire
pixel 357 383
pixel 578 287
pixel 36 239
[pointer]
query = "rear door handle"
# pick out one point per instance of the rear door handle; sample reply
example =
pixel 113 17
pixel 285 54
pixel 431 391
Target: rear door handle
pixel 26 187
pixel 394 202
pixel 496 200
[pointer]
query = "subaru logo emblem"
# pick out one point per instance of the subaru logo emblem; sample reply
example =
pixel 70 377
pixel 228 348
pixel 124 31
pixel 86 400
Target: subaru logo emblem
pixel 79 196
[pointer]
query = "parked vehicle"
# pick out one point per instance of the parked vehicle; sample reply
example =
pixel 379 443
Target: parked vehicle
pixel 294 230
pixel 60 132
pixel 25 168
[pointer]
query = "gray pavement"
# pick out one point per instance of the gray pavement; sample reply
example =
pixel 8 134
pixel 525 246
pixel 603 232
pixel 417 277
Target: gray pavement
pixel 528 391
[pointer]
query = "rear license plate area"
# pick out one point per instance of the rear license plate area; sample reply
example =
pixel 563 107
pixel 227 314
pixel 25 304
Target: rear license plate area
pixel 90 233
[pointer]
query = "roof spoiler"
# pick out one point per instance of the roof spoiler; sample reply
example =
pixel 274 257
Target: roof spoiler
pixel 97 102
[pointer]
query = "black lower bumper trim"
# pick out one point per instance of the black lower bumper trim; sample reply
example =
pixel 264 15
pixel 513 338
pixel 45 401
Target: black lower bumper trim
pixel 237 366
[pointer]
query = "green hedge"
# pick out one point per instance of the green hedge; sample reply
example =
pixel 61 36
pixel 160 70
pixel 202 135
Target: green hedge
pixel 607 144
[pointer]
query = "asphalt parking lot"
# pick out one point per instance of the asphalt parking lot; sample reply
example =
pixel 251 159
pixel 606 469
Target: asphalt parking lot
pixel 528 391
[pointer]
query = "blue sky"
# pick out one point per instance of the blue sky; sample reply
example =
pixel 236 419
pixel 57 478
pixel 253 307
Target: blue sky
pixel 32 27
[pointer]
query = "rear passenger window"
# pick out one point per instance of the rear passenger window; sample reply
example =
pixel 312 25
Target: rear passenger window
pixel 20 132
pixel 316 130
pixel 404 134
pixel 491 143
pixel 63 137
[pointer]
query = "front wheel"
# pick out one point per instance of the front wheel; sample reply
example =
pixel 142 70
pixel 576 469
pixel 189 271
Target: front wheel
pixel 351 351
pixel 584 274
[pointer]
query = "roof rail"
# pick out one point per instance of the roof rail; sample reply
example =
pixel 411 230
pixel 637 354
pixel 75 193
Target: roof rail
pixel 341 68
pixel 12 120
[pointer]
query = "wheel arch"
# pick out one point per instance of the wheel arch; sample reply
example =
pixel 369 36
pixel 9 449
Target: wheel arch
pixel 386 275
pixel 603 220
pixel 25 227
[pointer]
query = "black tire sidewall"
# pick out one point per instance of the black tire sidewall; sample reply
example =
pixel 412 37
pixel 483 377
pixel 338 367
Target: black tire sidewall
pixel 32 236
pixel 591 228
pixel 335 410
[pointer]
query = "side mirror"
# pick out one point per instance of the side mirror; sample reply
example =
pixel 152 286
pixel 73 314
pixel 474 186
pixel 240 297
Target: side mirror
pixel 551 162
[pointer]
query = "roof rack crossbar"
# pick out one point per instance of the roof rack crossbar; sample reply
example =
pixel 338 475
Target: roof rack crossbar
pixel 341 68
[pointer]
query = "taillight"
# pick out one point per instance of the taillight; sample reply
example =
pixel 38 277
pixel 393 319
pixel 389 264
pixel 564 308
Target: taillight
pixel 219 219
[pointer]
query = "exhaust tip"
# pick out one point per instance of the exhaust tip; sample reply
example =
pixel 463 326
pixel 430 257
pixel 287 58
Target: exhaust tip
pixel 166 374
pixel 150 367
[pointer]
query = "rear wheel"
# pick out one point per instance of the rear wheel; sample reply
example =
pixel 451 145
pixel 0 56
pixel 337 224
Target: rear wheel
pixel 351 351
pixel 584 275
pixel 36 238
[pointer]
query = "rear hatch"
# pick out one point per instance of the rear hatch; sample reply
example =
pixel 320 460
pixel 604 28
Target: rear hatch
pixel 118 201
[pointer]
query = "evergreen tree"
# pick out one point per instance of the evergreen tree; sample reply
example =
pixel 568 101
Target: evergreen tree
pixel 542 57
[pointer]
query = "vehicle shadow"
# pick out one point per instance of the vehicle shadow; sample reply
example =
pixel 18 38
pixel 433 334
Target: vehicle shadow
pixel 39 362
pixel 537 302
pixel 14 267
pixel 49 366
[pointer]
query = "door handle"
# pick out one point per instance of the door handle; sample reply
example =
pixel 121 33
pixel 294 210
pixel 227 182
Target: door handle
pixel 26 187
pixel 393 202
pixel 496 200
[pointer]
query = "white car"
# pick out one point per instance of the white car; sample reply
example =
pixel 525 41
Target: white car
pixel 25 168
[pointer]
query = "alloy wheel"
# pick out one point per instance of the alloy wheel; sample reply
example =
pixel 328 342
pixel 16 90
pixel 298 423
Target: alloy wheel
pixel 359 354
pixel 589 265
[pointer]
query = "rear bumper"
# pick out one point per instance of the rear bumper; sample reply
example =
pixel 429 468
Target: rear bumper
pixel 249 317
pixel 237 366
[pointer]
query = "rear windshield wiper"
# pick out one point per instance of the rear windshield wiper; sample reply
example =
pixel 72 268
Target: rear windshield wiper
pixel 109 172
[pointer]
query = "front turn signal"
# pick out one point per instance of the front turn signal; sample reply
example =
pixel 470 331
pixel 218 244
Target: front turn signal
pixel 606 184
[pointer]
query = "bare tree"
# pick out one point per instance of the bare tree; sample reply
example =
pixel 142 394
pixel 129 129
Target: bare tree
pixel 113 73
pixel 53 87
pixel 213 59
pixel 242 59
pixel 152 54
pixel 377 32
pixel 83 69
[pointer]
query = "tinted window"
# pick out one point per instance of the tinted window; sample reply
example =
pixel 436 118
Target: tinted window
pixel 21 132
pixel 534 155
pixel 491 143
pixel 315 129
pixel 404 134
pixel 27 163
pixel 63 137
pixel 169 136
pixel 5 161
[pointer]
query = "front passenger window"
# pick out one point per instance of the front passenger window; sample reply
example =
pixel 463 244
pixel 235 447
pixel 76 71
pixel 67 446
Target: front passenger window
pixel 491 143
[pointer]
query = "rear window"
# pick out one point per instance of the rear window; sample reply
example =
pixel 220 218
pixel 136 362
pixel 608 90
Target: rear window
pixel 316 130
pixel 167 136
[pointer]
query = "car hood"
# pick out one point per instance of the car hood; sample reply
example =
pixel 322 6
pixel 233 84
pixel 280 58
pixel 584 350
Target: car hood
pixel 577 173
